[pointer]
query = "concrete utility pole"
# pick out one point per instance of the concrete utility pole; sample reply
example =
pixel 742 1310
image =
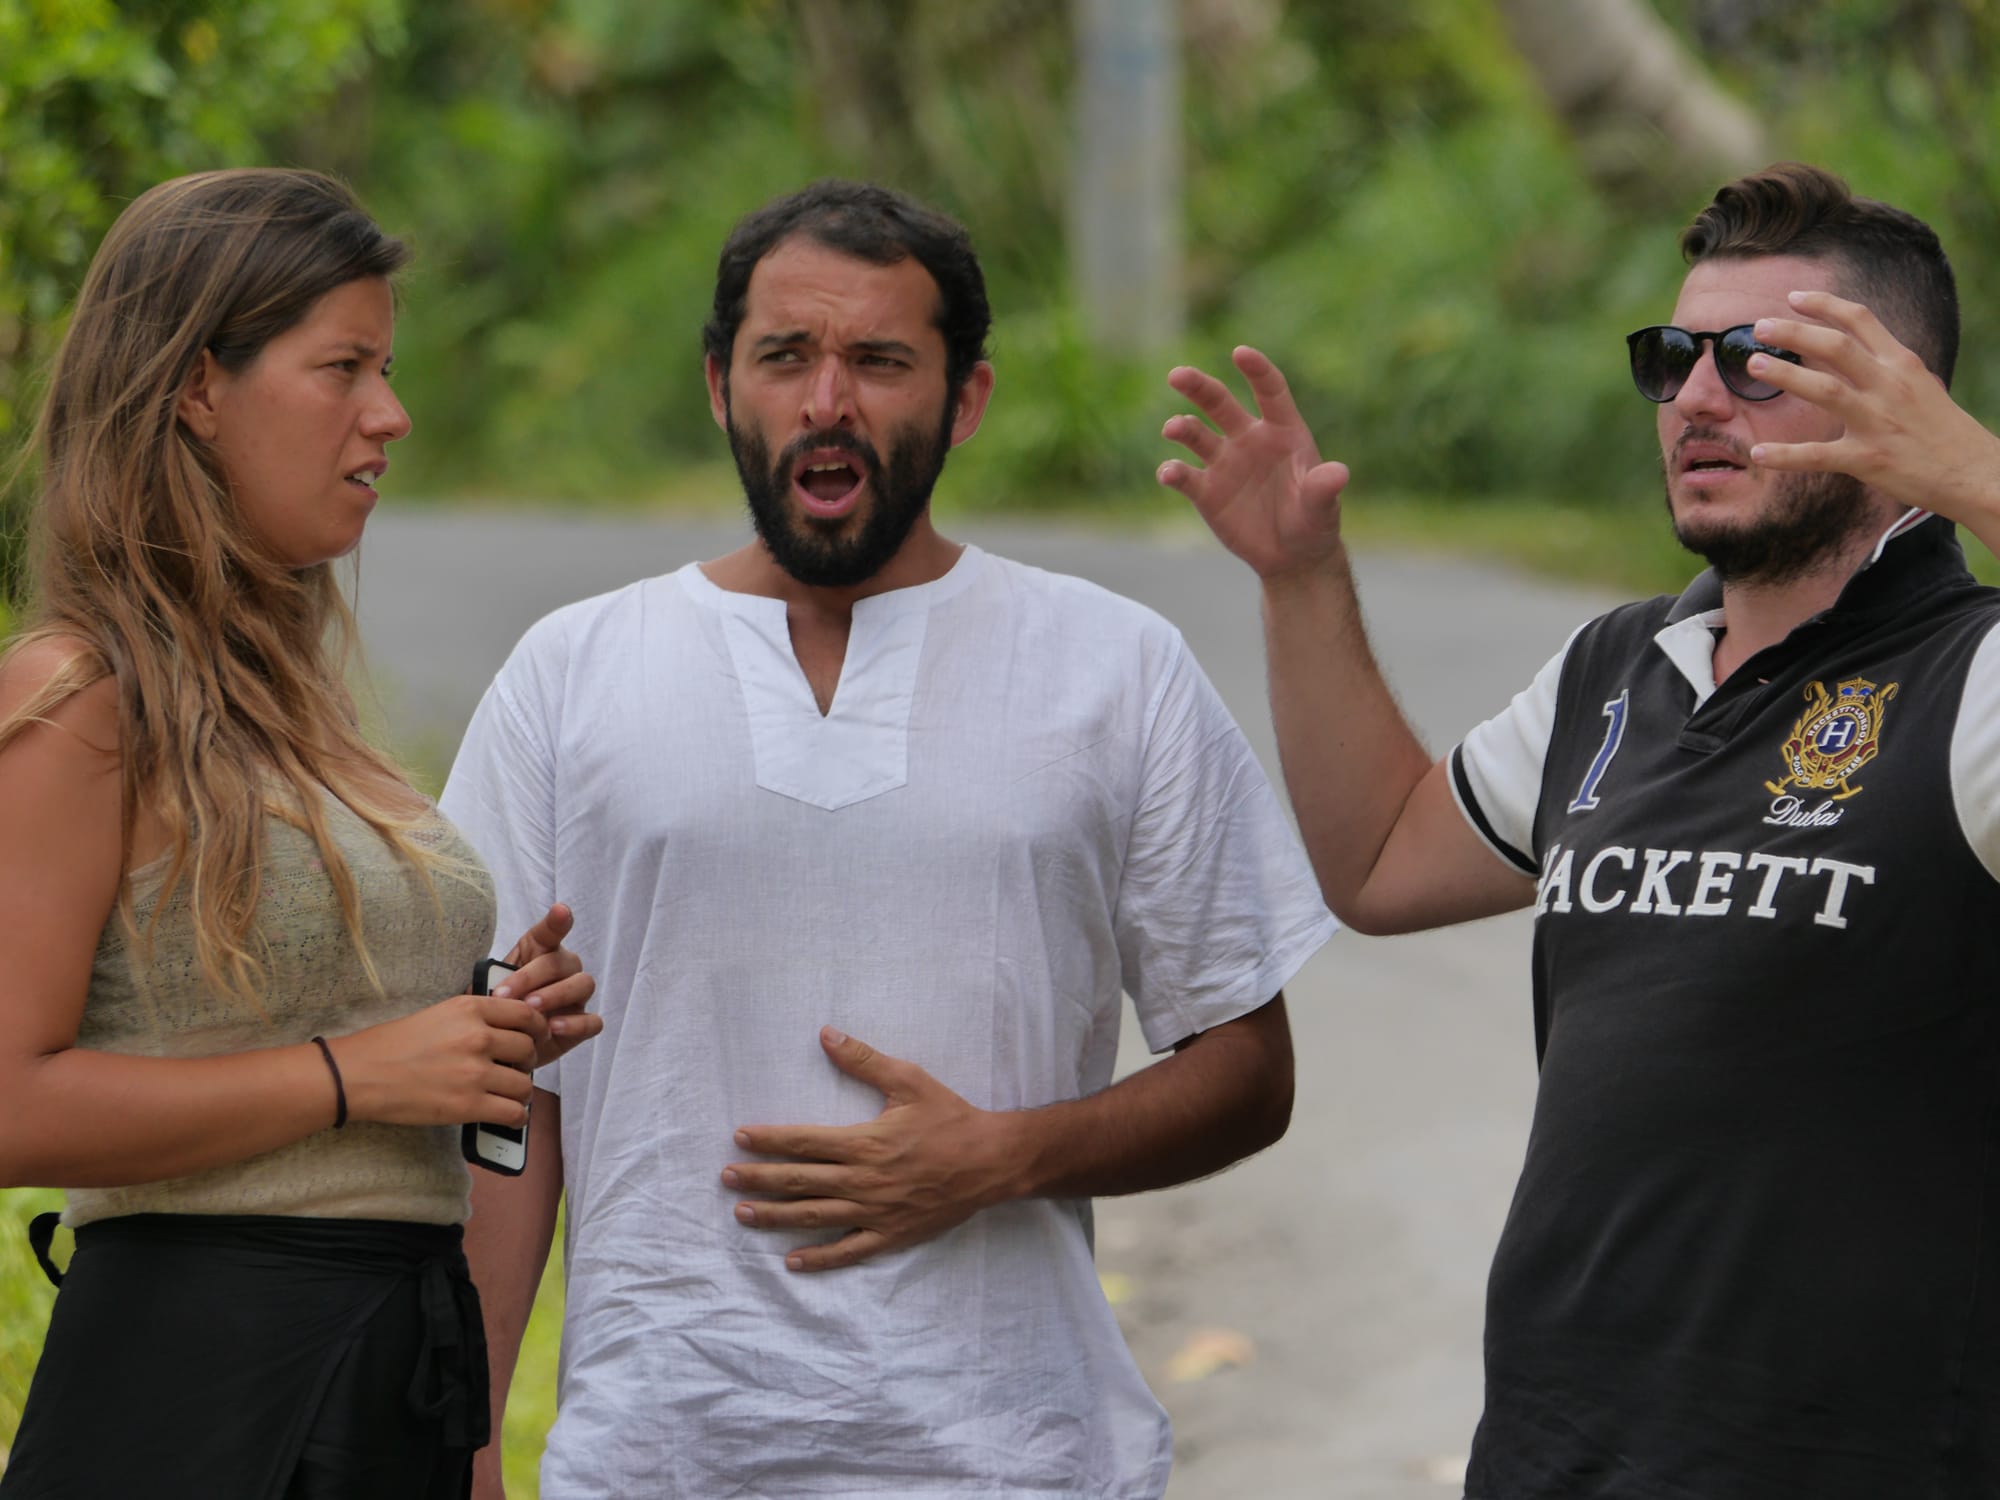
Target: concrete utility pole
pixel 1125 183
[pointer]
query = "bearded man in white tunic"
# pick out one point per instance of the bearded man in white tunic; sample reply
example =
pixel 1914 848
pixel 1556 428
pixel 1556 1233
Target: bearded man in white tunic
pixel 872 832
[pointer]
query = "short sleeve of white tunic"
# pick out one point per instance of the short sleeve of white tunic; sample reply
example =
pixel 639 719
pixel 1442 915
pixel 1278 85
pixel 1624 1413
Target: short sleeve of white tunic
pixel 1025 799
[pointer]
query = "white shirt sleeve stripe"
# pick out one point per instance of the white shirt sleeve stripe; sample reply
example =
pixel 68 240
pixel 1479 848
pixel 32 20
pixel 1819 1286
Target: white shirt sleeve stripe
pixel 1468 808
pixel 1497 769
pixel 1975 755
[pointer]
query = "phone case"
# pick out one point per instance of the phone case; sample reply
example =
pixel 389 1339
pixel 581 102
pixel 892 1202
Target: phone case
pixel 498 1148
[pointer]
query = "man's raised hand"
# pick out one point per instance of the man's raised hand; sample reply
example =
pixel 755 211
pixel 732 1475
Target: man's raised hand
pixel 1905 437
pixel 1261 486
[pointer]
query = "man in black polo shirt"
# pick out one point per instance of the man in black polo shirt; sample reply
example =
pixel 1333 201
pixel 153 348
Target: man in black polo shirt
pixel 1755 1248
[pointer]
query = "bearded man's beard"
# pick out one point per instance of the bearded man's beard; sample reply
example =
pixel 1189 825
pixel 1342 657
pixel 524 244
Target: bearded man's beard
pixel 1808 519
pixel 839 553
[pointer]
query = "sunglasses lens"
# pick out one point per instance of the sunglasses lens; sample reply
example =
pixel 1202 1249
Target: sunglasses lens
pixel 1732 358
pixel 1662 360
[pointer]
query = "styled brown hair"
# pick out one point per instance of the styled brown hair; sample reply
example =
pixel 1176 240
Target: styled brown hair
pixel 871 223
pixel 230 666
pixel 1889 259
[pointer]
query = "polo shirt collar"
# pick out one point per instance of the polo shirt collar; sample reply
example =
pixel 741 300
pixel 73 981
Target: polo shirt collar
pixel 1916 555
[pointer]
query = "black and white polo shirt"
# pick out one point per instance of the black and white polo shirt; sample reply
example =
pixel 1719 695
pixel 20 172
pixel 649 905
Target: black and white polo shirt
pixel 1755 1248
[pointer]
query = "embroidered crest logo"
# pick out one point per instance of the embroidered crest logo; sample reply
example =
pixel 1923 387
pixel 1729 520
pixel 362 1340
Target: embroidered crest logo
pixel 1838 734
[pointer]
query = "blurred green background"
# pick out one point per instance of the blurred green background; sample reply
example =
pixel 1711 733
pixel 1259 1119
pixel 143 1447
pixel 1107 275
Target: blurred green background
pixel 1440 216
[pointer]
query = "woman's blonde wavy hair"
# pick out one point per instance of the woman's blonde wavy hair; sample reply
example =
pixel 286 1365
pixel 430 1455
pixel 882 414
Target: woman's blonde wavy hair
pixel 230 666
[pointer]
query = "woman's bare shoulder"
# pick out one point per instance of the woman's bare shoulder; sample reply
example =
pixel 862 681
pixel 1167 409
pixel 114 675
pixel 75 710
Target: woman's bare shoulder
pixel 60 680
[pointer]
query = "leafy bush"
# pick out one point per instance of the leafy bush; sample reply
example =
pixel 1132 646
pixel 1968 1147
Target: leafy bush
pixel 1375 193
pixel 1895 95
pixel 1373 196
pixel 99 101
pixel 25 1300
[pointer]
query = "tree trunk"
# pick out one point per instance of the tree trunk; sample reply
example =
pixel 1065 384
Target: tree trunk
pixel 1652 127
pixel 862 57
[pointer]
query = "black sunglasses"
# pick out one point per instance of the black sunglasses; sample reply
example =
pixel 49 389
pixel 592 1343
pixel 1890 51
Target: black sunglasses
pixel 1663 357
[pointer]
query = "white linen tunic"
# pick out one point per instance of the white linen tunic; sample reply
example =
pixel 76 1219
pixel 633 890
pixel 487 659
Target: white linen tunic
pixel 1025 798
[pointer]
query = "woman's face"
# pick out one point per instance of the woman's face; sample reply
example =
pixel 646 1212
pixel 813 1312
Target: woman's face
pixel 303 430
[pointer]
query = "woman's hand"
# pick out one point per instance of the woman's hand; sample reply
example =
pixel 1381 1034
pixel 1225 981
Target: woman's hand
pixel 462 1060
pixel 470 1059
pixel 551 979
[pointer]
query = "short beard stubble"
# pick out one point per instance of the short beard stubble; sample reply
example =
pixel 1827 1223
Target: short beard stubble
pixel 1810 518
pixel 817 553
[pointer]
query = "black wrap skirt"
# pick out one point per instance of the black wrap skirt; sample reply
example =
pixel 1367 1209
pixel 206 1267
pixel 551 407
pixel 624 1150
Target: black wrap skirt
pixel 256 1358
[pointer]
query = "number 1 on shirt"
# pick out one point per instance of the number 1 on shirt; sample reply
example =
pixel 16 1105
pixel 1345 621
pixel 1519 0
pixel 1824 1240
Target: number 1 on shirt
pixel 1586 795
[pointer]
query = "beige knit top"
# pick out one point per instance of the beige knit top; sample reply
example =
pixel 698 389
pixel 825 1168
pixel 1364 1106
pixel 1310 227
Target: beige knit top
pixel 158 1005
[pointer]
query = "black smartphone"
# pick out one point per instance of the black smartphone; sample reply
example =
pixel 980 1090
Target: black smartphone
pixel 498 1148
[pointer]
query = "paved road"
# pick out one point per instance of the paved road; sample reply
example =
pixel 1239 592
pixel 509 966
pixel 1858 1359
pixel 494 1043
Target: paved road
pixel 1352 1256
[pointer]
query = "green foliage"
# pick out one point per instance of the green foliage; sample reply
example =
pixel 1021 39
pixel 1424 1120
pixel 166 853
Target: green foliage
pixel 1458 327
pixel 566 174
pixel 1897 96
pixel 568 211
pixel 1066 421
pixel 568 169
pixel 99 101
pixel 1375 192
pixel 25 1300
pixel 1381 203
pixel 531 1402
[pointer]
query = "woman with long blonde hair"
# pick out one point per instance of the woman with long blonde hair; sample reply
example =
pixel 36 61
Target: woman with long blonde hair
pixel 235 1026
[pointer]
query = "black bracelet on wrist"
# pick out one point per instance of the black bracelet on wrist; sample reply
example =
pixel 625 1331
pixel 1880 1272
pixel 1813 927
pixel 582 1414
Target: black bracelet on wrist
pixel 339 1089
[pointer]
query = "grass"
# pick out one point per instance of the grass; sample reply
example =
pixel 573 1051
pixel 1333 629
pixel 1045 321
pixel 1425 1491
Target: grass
pixel 25 1300
pixel 531 1404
